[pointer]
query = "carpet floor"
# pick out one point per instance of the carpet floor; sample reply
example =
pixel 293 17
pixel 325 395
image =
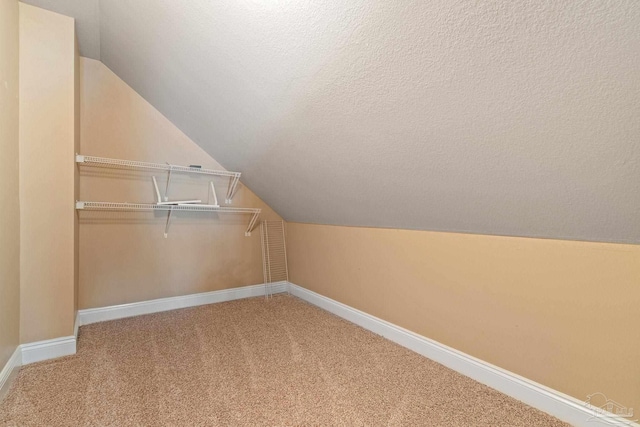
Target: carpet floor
pixel 252 362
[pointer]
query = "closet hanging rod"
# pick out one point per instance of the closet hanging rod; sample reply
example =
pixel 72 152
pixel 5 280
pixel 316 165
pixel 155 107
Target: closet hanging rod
pixel 133 164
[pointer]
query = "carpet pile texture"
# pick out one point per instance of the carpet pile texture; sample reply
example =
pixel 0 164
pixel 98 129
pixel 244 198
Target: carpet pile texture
pixel 252 362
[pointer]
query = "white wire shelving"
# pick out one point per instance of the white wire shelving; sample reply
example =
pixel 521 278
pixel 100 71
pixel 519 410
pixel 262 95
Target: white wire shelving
pixel 163 203
pixel 234 177
pixel 274 253
pixel 112 206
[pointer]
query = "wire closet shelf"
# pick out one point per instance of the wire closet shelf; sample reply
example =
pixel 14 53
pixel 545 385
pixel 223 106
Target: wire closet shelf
pixel 105 162
pixel 112 206
pixel 162 202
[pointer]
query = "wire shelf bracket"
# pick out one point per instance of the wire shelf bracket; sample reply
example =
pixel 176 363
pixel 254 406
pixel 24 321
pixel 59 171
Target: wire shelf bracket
pixel 166 227
pixel 213 199
pixel 166 202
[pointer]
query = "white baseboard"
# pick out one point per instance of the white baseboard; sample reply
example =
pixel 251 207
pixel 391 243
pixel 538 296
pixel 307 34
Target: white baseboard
pixel 8 372
pixel 102 314
pixel 48 349
pixel 76 325
pixel 66 346
pixel 36 352
pixel 560 405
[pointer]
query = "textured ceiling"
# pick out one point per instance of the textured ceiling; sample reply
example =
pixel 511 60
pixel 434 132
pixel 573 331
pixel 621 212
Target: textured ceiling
pixel 496 117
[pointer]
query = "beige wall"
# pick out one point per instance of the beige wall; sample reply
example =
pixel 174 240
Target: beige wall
pixel 9 196
pixel 124 257
pixel 562 313
pixel 47 138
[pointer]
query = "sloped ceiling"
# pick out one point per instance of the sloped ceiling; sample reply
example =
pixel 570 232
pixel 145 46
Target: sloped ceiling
pixel 495 117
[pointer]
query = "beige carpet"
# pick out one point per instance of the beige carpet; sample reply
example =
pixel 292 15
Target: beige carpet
pixel 254 362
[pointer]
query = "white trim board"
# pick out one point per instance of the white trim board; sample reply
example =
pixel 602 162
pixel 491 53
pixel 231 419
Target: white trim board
pixel 102 314
pixel 35 352
pixel 7 373
pixel 66 346
pixel 560 405
pixel 48 349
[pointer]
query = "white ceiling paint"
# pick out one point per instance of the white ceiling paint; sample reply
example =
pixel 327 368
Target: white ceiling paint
pixel 496 117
